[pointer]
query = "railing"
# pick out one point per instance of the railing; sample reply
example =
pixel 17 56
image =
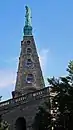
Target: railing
pixel 28 97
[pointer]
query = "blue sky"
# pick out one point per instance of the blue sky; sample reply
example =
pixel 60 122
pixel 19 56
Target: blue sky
pixel 52 22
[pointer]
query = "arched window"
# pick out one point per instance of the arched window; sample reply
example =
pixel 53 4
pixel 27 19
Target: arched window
pixel 29 78
pixel 28 42
pixel 29 50
pixel 29 62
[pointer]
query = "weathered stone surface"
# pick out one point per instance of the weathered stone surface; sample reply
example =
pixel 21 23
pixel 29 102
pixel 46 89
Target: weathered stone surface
pixel 24 106
pixel 29 52
pixel 27 96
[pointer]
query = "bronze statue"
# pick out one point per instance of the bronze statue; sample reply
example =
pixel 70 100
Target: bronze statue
pixel 28 16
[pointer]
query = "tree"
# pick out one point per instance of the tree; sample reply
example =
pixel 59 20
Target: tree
pixel 63 100
pixel 0 98
pixel 3 124
pixel 42 120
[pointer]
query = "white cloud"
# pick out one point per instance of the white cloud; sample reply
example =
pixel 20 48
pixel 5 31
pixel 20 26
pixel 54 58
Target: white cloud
pixel 7 78
pixel 13 60
pixel 43 57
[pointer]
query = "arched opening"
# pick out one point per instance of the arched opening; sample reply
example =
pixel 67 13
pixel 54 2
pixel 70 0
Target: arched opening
pixel 29 78
pixel 20 124
pixel 28 42
pixel 29 50
pixel 29 62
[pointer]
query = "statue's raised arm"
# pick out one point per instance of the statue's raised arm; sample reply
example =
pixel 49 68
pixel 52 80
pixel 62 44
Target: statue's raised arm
pixel 28 16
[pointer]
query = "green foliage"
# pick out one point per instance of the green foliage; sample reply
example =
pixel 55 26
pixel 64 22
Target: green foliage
pixel 63 87
pixel 3 124
pixel 0 98
pixel 62 101
pixel 70 71
pixel 70 67
pixel 42 120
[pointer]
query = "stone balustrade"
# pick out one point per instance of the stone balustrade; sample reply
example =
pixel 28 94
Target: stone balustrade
pixel 25 98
